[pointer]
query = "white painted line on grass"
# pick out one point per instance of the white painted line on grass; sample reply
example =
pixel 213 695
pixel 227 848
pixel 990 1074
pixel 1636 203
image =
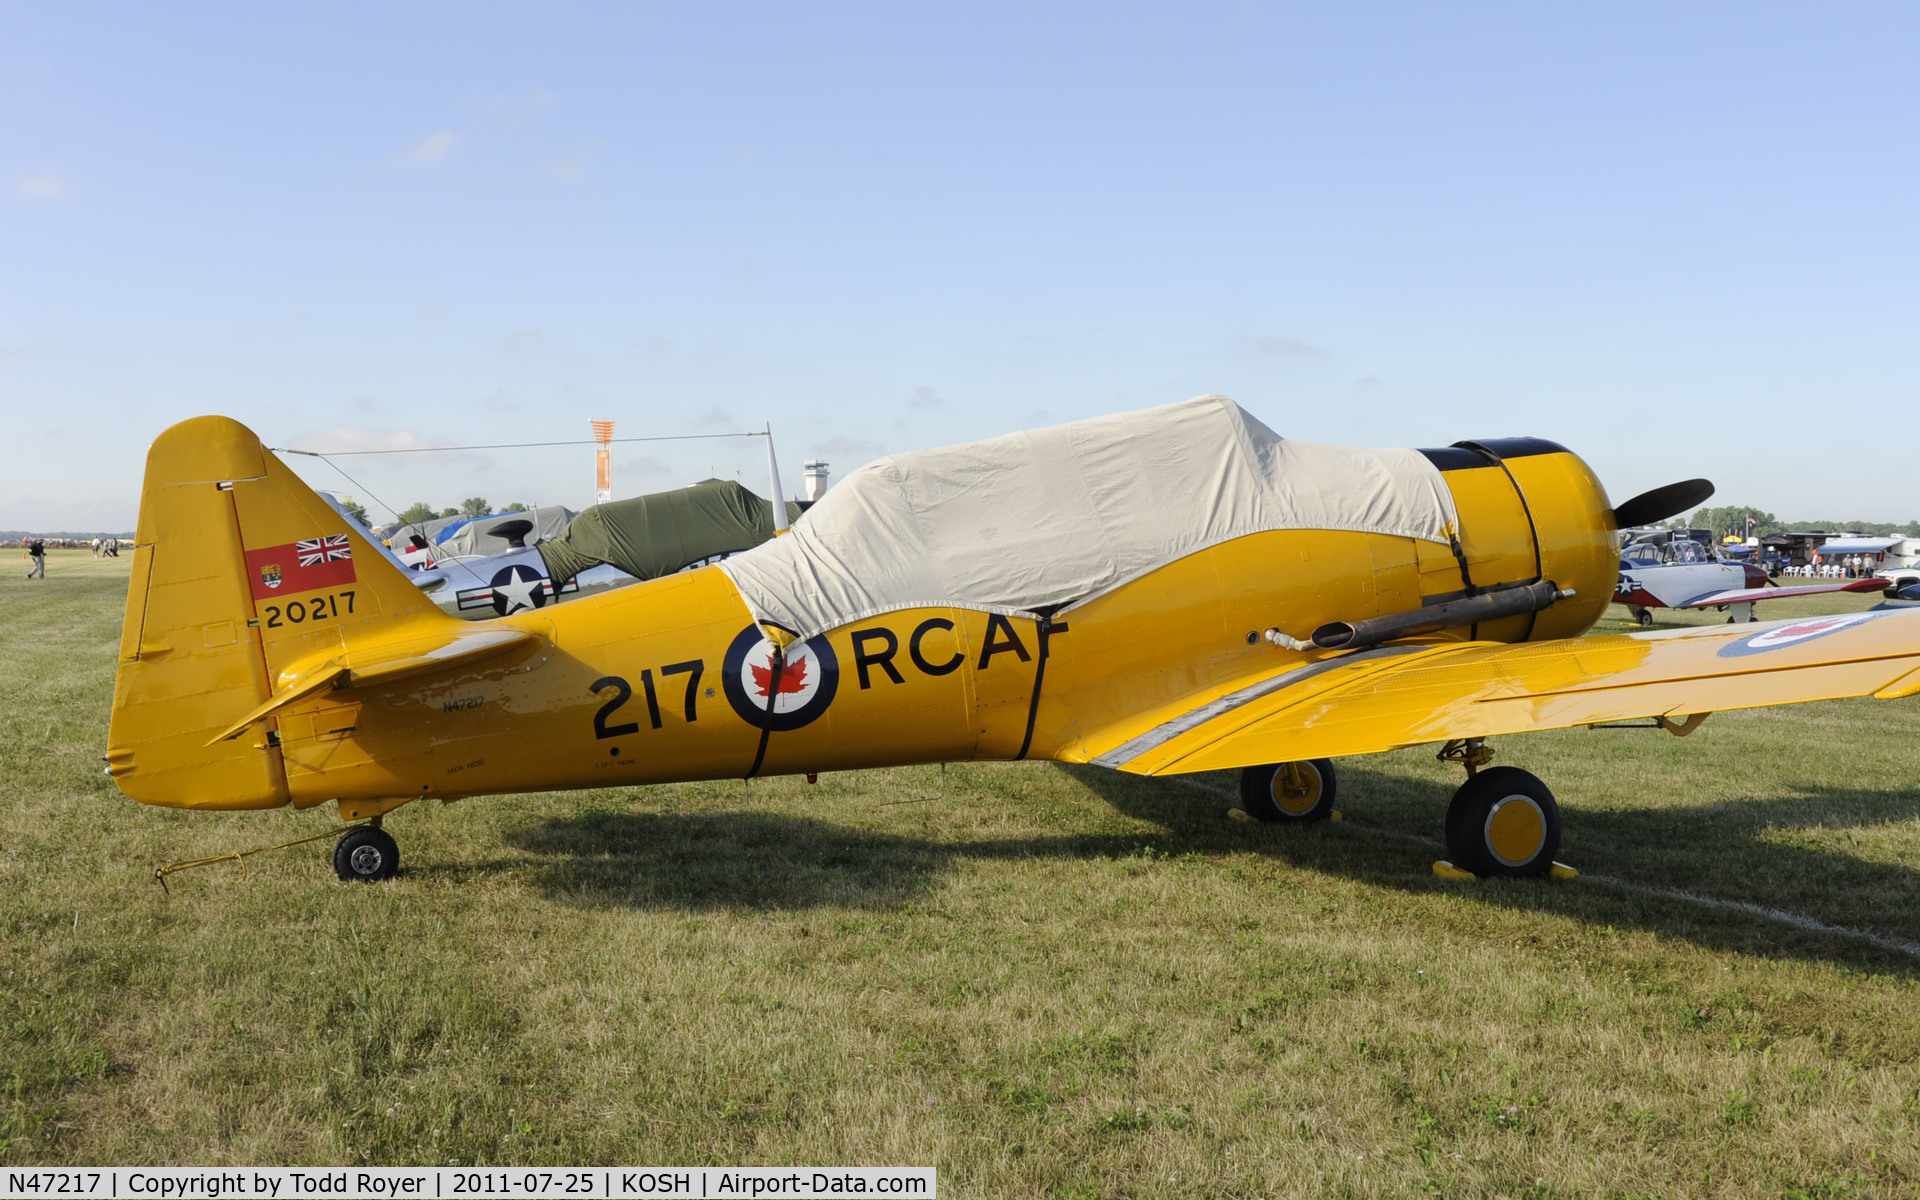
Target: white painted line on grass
pixel 1797 920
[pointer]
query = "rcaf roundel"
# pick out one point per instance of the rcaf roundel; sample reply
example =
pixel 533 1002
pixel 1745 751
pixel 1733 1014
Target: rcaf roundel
pixel 1788 635
pixel 787 697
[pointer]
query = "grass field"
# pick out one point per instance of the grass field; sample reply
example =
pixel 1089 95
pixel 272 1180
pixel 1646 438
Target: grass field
pixel 1044 981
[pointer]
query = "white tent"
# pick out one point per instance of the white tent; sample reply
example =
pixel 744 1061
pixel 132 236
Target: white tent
pixel 1856 545
pixel 1039 521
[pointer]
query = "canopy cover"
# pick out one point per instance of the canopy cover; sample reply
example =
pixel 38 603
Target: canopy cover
pixel 657 534
pixel 1039 521
pixel 474 537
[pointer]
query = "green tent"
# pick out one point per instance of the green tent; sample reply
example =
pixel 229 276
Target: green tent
pixel 654 535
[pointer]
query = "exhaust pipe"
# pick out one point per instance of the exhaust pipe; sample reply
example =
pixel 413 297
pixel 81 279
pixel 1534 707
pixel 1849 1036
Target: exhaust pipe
pixel 1487 606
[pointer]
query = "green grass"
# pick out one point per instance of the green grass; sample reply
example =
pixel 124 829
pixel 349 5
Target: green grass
pixel 1044 981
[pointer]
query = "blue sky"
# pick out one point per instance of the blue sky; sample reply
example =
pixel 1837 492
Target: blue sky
pixel 1682 241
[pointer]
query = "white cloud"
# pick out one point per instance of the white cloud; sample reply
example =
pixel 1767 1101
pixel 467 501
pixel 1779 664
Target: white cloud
pixel 45 185
pixel 570 171
pixel 845 453
pixel 925 399
pixel 516 107
pixel 433 148
pixel 643 466
pixel 575 166
pixel 7 352
pixel 714 416
pixel 521 339
pixel 1284 345
pixel 343 439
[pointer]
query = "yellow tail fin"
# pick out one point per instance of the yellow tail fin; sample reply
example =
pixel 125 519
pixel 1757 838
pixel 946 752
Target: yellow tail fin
pixel 243 577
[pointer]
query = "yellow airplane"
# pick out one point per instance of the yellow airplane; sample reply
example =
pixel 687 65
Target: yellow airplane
pixel 1162 592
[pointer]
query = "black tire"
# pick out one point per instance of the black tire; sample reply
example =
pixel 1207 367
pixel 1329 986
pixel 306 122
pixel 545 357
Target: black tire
pixel 366 855
pixel 1288 793
pixel 1503 822
pixel 1644 616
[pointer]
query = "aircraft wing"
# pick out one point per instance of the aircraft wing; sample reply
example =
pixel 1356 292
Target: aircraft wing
pixel 1745 595
pixel 1405 695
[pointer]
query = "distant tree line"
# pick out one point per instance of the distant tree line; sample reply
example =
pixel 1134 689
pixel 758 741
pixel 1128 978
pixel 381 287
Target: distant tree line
pixel 1732 518
pixel 472 506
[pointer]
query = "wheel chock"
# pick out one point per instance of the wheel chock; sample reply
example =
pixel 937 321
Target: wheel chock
pixel 1446 870
pixel 1240 814
pixel 1561 870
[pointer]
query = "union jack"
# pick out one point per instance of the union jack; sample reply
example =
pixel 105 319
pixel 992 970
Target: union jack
pixel 314 551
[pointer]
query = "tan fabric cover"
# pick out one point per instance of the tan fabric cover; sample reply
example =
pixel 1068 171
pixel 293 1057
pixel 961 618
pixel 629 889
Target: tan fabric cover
pixel 1049 518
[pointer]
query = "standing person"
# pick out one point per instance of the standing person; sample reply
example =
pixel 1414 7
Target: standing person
pixel 38 551
pixel 96 547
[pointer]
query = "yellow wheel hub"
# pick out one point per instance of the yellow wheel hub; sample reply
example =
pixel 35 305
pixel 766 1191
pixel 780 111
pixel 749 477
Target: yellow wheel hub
pixel 1516 829
pixel 1296 788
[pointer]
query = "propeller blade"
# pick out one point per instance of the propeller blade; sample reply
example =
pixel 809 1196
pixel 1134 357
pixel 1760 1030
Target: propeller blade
pixel 1663 502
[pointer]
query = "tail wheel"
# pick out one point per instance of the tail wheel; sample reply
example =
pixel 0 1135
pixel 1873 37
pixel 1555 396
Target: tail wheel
pixel 366 855
pixel 1287 792
pixel 1503 821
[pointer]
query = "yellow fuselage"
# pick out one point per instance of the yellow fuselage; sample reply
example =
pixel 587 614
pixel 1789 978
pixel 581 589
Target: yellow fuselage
pixel 628 688
pixel 244 683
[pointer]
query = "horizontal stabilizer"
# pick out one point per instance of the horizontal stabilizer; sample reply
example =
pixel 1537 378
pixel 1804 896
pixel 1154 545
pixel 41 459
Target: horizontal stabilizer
pixel 376 662
pixel 307 686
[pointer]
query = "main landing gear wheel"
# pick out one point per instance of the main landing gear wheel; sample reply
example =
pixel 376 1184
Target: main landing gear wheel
pixel 1644 616
pixel 366 854
pixel 1284 793
pixel 1503 821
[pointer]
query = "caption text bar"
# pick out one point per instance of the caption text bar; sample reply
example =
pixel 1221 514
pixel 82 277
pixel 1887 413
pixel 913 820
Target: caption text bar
pixel 457 1183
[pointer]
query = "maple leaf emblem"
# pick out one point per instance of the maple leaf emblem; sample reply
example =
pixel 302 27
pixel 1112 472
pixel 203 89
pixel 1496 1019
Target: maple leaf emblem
pixel 793 677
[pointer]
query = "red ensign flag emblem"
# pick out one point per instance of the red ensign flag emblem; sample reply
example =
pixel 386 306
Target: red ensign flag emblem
pixel 303 566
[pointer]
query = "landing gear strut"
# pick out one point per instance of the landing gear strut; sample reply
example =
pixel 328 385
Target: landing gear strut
pixel 367 854
pixel 1503 821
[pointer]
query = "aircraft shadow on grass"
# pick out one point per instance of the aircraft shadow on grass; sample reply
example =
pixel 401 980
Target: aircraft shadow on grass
pixel 1715 850
pixel 769 861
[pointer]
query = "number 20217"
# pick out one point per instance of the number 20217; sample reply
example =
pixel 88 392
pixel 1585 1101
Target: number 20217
pixel 320 608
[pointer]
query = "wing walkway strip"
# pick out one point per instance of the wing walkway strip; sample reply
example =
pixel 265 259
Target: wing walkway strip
pixel 1160 735
pixel 1779 915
